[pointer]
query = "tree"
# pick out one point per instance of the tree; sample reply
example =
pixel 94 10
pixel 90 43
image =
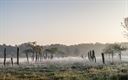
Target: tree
pixel 51 51
pixel 27 51
pixel 36 50
pixel 114 48
pixel 31 45
pixel 109 50
pixel 118 49
pixel 125 25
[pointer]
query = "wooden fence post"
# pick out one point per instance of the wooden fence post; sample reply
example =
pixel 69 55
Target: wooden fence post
pixel 103 58
pixel 17 56
pixel 12 61
pixel 4 56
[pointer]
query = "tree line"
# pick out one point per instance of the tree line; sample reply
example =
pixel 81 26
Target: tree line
pixel 37 50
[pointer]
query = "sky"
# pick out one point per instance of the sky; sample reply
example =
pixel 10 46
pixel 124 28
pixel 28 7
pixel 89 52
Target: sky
pixel 62 21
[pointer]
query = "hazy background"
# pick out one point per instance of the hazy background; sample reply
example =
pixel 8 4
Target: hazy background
pixel 62 21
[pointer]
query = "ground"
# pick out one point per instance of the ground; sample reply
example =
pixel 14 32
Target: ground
pixel 75 71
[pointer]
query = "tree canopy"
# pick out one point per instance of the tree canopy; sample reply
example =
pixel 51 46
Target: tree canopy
pixel 113 48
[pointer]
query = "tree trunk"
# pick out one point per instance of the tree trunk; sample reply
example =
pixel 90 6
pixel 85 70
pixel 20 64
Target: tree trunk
pixel 95 59
pixel 27 57
pixel 51 56
pixel 4 56
pixel 40 56
pixel 46 55
pixel 36 57
pixel 89 55
pixel 120 56
pixel 17 56
pixel 109 57
pixel 33 56
pixel 112 57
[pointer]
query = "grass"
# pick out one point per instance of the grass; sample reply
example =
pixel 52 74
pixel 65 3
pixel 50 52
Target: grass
pixel 56 72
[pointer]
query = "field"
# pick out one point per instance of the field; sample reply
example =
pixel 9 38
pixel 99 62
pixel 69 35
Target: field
pixel 61 69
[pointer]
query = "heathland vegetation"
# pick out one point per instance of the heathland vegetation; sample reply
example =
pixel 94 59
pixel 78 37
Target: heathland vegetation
pixel 60 62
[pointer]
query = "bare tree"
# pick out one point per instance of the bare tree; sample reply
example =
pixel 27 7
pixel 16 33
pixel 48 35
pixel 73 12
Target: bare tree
pixel 114 48
pixel 36 50
pixel 125 26
pixel 118 49
pixel 27 51
pixel 52 51
pixel 109 50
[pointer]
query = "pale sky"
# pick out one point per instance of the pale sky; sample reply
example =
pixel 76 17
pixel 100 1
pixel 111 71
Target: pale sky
pixel 62 21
